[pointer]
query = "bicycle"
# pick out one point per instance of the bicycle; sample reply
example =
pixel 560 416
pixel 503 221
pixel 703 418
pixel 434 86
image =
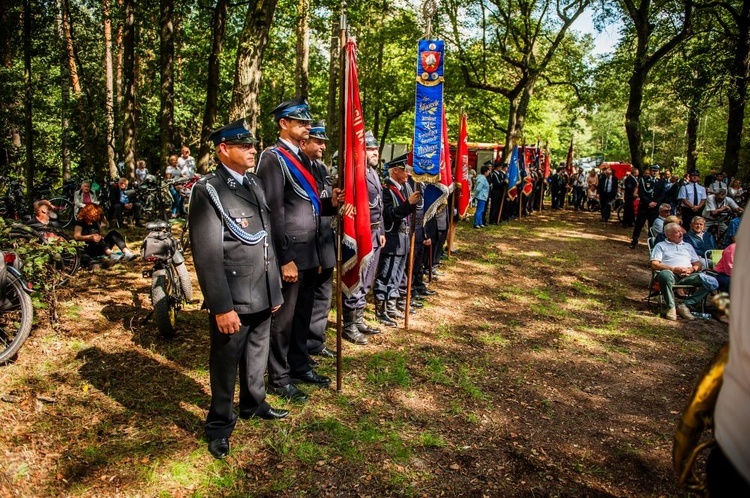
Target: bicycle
pixel 170 280
pixel 14 206
pixel 67 262
pixel 16 311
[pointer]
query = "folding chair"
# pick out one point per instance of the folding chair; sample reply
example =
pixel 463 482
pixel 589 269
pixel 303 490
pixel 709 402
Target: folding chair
pixel 653 232
pixel 713 256
pixel 655 291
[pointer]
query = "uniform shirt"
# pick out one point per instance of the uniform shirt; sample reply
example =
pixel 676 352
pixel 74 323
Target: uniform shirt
pixel 688 192
pixel 671 254
pixel 716 185
pixel 732 425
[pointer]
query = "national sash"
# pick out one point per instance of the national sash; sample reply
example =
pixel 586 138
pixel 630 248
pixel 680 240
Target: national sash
pixel 462 168
pixel 429 108
pixel 302 180
pixel 356 248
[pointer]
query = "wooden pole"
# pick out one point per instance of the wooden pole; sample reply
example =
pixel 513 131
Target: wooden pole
pixel 344 67
pixel 451 218
pixel 410 262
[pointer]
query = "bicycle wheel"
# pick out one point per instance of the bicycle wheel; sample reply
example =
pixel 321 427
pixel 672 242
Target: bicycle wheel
pixel 185 284
pixel 164 311
pixel 185 237
pixel 620 213
pixel 16 316
pixel 65 211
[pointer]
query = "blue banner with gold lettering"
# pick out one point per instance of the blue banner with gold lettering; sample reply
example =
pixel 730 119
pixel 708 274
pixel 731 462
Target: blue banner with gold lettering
pixel 429 110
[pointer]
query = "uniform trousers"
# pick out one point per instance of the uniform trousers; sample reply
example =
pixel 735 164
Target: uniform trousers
pixel 392 267
pixel 316 339
pixel 644 215
pixel 289 329
pixel 247 349
pixel 358 301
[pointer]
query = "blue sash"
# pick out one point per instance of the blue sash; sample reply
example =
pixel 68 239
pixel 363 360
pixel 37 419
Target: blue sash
pixel 302 180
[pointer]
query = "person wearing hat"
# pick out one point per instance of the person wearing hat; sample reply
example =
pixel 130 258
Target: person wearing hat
pixel 498 182
pixel 294 199
pixel 314 147
pixel 355 327
pixel 230 234
pixel 692 198
pixel 399 201
pixel 650 195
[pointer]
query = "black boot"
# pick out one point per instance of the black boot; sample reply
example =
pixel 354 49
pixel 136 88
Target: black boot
pixel 401 306
pixel 392 310
pixel 362 326
pixel 382 315
pixel 350 332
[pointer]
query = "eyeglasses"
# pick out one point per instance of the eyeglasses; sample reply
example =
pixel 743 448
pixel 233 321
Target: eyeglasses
pixel 244 147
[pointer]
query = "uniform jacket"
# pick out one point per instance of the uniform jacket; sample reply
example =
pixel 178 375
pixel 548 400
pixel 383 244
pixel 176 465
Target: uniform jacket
pixel 395 218
pixel 233 275
pixel 295 226
pixel 649 190
pixel 375 197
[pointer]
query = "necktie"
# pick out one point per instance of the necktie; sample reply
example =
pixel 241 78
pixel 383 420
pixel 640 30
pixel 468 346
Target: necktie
pixel 609 185
pixel 246 183
pixel 695 194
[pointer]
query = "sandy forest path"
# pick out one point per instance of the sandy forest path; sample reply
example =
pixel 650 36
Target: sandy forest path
pixel 537 370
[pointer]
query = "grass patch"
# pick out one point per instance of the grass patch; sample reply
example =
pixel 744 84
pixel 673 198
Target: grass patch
pixel 388 369
pixel 432 440
pixel 436 371
pixel 467 385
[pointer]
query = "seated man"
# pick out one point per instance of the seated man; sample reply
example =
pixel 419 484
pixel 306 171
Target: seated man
pixel 658 226
pixel 677 263
pixel 121 203
pixel 718 209
pixel 44 218
pixel 701 240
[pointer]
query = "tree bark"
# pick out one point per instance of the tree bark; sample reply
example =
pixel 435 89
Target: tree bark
pixel 334 73
pixel 737 95
pixel 693 120
pixel 166 64
pixel 28 98
pixel 119 90
pixel 252 45
pixel 109 84
pixel 302 72
pixel 64 97
pixel 212 87
pixel 129 85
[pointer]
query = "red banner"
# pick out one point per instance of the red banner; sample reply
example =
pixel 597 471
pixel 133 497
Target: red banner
pixel 357 250
pixel 462 168
pixel 547 166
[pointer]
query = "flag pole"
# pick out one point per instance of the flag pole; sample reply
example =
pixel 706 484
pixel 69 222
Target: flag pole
pixel 343 67
pixel 410 262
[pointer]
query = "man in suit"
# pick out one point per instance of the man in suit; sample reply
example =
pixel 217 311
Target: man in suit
pixel 236 265
pixel 313 148
pixel 498 185
pixel 607 190
pixel 355 327
pixel 296 208
pixel 398 203
pixel 651 194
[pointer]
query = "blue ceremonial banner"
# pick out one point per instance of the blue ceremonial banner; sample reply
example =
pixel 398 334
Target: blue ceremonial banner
pixel 429 110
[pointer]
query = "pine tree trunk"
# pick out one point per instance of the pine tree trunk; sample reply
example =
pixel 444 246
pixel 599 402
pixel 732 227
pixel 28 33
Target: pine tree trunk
pixel 109 83
pixel 28 97
pixel 252 45
pixel 166 62
pixel 129 85
pixel 301 72
pixel 212 87
pixel 64 98
pixel 119 90
pixel 693 120
pixel 737 94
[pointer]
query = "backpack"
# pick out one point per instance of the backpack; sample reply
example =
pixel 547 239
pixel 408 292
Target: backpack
pixel 158 245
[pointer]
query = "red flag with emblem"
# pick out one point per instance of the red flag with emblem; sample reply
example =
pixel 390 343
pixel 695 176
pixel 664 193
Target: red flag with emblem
pixel 462 168
pixel 357 250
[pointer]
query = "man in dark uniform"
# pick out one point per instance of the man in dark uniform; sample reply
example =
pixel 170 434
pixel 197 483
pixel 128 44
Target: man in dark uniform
pixel 498 183
pixel 650 195
pixel 230 232
pixel 607 190
pixel 354 305
pixel 398 204
pixel 296 208
pixel 313 148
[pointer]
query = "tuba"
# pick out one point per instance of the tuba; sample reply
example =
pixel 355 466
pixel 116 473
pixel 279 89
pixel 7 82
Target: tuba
pixel 698 415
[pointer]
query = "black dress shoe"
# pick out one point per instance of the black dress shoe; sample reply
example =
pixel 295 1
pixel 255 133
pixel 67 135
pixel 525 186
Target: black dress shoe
pixel 289 392
pixel 311 377
pixel 312 362
pixel 416 304
pixel 219 448
pixel 428 292
pixel 271 414
pixel 325 353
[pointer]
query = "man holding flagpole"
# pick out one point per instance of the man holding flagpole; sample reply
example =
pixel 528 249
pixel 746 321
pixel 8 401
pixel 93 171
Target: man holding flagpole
pixel 296 207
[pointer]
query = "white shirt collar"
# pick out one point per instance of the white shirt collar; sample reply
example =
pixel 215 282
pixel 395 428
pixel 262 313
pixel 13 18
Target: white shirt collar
pixel 240 178
pixel 289 144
